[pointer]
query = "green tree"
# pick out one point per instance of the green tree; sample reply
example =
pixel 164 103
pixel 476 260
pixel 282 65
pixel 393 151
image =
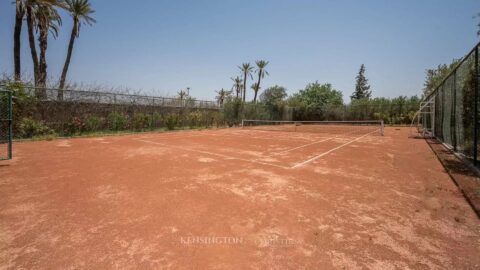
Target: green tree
pixel 273 95
pixel 247 70
pixel 362 89
pixel 48 21
pixel 237 86
pixel 22 8
pixel 43 18
pixel 312 102
pixel 255 87
pixel 273 98
pixel 436 75
pixel 261 65
pixel 232 111
pixel 81 12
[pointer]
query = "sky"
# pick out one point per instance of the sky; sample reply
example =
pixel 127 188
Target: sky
pixel 160 47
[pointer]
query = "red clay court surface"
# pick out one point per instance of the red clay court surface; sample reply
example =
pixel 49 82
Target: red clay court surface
pixel 233 199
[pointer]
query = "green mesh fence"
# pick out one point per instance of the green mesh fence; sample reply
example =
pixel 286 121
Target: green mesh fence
pixel 456 107
pixel 5 125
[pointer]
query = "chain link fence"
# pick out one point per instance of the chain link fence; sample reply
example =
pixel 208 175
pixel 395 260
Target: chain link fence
pixel 456 111
pixel 44 112
pixel 5 125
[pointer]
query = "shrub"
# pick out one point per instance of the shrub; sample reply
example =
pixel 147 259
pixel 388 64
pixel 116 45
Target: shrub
pixel 29 128
pixel 232 110
pixel 194 119
pixel 117 121
pixel 171 121
pixel 156 120
pixel 74 126
pixel 140 121
pixel 94 123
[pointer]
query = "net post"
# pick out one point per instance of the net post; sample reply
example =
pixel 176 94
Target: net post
pixel 382 128
pixel 243 124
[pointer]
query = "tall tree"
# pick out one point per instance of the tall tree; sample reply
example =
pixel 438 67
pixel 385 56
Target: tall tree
pixel 261 74
pixel 48 21
pixel 247 70
pixel 255 89
pixel 315 100
pixel 81 12
pixel 237 85
pixel 362 89
pixel 43 18
pixel 273 95
pixel 30 9
pixel 19 14
pixel 274 100
pixel 436 75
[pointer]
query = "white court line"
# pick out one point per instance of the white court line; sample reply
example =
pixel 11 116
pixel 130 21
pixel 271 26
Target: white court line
pixel 215 154
pixel 329 151
pixel 298 147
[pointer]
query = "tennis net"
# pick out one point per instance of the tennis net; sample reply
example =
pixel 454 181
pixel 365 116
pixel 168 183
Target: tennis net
pixel 330 127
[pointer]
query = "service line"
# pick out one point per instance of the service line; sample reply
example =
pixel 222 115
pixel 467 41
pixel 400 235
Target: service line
pixel 330 151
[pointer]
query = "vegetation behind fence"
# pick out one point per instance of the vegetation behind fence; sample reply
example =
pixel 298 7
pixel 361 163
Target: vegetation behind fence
pixel 397 111
pixel 43 112
pixel 456 106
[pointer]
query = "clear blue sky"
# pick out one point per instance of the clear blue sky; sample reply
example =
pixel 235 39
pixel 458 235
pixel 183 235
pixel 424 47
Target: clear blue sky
pixel 163 46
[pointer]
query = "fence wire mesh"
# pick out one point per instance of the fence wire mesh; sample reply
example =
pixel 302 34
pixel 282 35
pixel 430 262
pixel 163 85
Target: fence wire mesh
pixel 5 125
pixel 43 112
pixel 456 107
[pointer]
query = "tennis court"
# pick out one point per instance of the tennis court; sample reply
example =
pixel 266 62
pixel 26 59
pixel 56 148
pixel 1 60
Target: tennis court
pixel 267 196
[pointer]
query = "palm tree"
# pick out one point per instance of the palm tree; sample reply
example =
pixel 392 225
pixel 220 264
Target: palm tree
pixel 261 74
pixel 182 94
pixel 19 14
pixel 81 11
pixel 237 85
pixel 246 69
pixel 183 97
pixel 255 87
pixel 48 20
pixel 222 95
pixel 30 12
pixel 42 17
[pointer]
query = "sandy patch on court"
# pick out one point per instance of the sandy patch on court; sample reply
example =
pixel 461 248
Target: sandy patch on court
pixel 275 180
pixel 65 143
pixel 206 160
pixel 146 151
pixel 110 193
